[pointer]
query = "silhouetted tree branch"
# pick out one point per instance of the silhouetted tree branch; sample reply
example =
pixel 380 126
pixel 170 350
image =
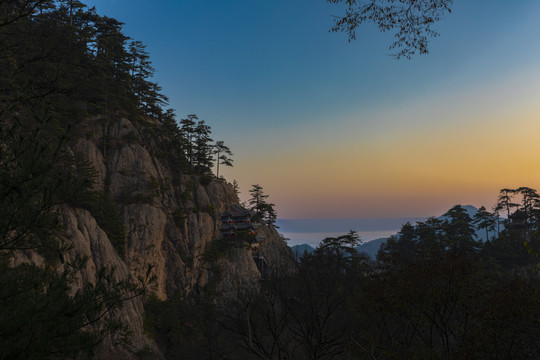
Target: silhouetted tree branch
pixel 410 20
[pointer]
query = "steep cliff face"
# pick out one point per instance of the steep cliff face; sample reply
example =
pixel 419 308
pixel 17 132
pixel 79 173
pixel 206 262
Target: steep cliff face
pixel 90 241
pixel 169 218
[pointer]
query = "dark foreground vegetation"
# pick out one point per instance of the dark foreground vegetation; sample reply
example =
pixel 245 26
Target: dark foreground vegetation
pixel 434 292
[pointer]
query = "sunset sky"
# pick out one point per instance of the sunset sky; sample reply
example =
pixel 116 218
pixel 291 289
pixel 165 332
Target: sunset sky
pixel 333 129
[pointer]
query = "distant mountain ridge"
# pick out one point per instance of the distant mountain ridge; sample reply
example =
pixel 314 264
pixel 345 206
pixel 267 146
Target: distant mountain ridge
pixel 371 248
pixel 337 225
pixel 299 250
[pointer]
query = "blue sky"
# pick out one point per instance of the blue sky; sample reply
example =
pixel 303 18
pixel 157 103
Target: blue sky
pixel 333 129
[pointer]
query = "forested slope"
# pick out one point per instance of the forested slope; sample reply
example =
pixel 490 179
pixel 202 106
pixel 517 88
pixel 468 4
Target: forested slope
pixel 103 191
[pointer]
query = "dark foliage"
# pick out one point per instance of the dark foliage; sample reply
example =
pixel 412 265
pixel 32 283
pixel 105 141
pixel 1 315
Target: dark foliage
pixel 411 21
pixel 183 327
pixel 42 314
pixel 435 292
pixel 263 209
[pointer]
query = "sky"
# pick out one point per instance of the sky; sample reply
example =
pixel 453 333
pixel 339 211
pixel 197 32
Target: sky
pixel 335 129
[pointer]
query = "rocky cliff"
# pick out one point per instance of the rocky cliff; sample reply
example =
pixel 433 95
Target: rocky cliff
pixel 168 216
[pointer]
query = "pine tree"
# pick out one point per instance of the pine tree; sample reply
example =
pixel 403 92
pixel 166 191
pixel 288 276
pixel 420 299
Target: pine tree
pixel 140 70
pixel 530 208
pixel 222 153
pixel 263 209
pixel 460 231
pixel 188 133
pixel 257 200
pixel 203 148
pixel 497 208
pixel 430 237
pixel 484 220
pixel 505 201
pixel 236 187
pixel 270 215
pixel 73 6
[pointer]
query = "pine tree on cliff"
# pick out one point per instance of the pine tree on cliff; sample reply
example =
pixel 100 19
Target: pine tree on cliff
pixel 145 92
pixel 258 199
pixel 188 132
pixel 263 209
pixel 73 6
pixel 270 215
pixel 222 153
pixel 203 148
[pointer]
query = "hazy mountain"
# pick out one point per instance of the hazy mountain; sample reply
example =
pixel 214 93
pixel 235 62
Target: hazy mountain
pixel 299 250
pixel 343 225
pixel 471 211
pixel 372 247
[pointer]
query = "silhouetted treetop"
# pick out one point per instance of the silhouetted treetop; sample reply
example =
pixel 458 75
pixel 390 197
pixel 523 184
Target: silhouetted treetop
pixel 410 20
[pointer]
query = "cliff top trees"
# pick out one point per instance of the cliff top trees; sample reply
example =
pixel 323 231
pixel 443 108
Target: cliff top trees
pixel 262 208
pixel 202 154
pixel 222 153
pixel 198 148
pixel 49 48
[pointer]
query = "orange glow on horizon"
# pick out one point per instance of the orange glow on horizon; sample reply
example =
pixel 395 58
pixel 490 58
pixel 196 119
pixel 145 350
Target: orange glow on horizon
pixel 417 165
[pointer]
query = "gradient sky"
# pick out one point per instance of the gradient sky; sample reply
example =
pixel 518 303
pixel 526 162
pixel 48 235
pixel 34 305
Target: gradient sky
pixel 333 129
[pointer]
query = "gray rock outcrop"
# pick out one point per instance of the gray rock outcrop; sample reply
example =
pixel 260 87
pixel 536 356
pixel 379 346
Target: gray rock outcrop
pixel 169 219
